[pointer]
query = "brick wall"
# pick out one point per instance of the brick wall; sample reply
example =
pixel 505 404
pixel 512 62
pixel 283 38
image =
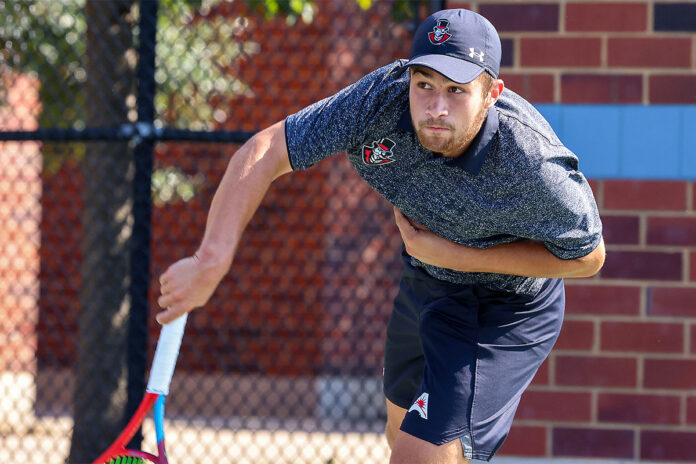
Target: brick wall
pixel 620 382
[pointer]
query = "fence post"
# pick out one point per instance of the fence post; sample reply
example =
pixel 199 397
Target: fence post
pixel 142 211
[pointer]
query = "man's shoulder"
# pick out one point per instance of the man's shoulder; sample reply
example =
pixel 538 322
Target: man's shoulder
pixel 519 119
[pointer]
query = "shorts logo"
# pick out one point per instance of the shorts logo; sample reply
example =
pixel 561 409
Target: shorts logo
pixel 440 33
pixel 421 406
pixel 380 152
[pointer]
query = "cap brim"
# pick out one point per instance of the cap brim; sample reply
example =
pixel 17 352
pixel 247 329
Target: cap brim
pixel 454 69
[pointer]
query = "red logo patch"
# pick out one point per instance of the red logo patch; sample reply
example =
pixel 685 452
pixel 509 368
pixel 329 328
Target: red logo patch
pixel 380 152
pixel 441 33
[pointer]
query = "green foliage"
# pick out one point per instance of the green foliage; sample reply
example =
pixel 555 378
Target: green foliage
pixel 196 56
pixel 45 38
pixel 292 10
pixel 196 53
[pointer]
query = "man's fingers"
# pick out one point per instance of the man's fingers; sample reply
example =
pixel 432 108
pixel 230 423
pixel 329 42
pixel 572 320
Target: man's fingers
pixel 170 314
pixel 168 299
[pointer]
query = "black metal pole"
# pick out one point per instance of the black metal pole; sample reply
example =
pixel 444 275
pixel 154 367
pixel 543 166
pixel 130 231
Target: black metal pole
pixel 142 214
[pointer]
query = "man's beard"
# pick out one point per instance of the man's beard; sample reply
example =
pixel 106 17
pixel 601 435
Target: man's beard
pixel 457 141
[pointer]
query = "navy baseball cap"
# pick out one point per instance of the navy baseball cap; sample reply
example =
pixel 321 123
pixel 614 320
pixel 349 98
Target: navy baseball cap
pixel 457 43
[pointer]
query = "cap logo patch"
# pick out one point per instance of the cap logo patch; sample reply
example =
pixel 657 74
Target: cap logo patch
pixel 473 54
pixel 440 33
pixel 380 152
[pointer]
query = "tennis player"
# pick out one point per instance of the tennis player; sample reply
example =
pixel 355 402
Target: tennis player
pixel 493 213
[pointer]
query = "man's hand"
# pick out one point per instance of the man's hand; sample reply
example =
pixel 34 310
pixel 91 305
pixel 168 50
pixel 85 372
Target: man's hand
pixel 420 243
pixel 187 284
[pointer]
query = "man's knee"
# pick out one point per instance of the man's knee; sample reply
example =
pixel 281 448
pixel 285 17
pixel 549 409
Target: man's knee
pixel 408 449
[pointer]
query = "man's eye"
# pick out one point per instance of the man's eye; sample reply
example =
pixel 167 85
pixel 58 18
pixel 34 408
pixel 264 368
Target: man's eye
pixel 456 90
pixel 424 85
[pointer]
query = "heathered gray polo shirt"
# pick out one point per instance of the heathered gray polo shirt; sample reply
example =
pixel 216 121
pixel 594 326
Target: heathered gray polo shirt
pixel 516 181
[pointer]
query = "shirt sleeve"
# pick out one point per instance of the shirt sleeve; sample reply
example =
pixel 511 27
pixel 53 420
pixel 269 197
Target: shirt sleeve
pixel 563 213
pixel 336 123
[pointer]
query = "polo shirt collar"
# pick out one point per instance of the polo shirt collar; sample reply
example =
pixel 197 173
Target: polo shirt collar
pixel 474 156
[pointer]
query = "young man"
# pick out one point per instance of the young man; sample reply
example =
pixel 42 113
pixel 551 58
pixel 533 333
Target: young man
pixel 492 211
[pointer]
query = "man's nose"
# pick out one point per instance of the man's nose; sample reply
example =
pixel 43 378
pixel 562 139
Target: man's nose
pixel 437 107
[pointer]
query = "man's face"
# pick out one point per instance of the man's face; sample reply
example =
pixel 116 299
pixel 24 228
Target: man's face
pixel 446 115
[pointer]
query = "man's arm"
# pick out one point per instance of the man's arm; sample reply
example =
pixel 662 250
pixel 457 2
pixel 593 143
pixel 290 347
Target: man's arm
pixel 189 283
pixel 524 258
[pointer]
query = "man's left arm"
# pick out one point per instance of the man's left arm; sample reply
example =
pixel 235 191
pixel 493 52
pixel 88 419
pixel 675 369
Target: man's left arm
pixel 527 258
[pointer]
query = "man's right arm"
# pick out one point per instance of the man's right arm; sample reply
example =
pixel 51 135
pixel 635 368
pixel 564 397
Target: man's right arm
pixel 189 283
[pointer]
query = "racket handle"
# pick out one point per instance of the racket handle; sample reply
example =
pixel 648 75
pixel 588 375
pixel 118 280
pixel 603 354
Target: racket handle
pixel 165 356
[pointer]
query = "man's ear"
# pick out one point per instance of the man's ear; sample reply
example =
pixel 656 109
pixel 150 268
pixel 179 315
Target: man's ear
pixel 494 94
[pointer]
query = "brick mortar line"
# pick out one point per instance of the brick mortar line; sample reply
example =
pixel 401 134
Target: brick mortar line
pixel 608 425
pixel 690 185
pixel 657 213
pixel 642 355
pixel 643 229
pixel 651 248
pixel 611 391
pixel 594 70
pixel 687 338
pixel 628 318
pixel 608 282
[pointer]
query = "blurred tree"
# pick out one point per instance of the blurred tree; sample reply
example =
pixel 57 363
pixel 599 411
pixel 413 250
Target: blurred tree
pixel 101 371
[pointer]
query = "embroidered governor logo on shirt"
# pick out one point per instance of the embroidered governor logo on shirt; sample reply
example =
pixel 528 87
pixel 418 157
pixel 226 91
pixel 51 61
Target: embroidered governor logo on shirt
pixel 421 406
pixel 440 33
pixel 380 152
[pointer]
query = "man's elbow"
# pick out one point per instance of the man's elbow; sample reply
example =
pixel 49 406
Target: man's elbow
pixel 593 262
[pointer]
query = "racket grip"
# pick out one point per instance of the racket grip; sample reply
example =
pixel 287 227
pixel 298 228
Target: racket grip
pixel 165 356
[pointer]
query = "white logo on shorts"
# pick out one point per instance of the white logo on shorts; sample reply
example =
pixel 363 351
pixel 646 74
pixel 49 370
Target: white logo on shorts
pixel 421 406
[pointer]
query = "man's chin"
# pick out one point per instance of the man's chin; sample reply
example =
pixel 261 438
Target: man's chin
pixel 432 144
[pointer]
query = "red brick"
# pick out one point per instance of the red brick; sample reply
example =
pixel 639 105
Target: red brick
pixel 458 4
pixel 526 17
pixel 537 88
pixel 601 16
pixel 588 371
pixel 667 445
pixel 636 52
pixel 593 443
pixel 677 374
pixel 554 52
pixel 644 195
pixel 648 337
pixel 621 230
pixel 642 265
pixel 667 301
pixel 605 300
pixel 576 335
pixel 542 375
pixel 691 410
pixel 593 88
pixel 692 260
pixel 679 89
pixel 678 231
pixel 555 406
pixel 525 441
pixel 638 409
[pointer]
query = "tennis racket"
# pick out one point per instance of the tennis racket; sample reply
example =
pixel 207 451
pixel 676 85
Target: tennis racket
pixel 157 389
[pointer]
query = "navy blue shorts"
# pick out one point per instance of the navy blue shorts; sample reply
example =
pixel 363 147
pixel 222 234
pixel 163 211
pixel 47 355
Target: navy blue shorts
pixel 459 357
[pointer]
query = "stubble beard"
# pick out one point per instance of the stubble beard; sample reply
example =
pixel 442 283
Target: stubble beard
pixel 450 142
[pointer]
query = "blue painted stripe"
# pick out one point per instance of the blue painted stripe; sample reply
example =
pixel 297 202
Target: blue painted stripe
pixel 628 141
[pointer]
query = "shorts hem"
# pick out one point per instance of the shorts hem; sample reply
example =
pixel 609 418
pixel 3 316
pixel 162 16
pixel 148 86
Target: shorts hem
pixel 483 455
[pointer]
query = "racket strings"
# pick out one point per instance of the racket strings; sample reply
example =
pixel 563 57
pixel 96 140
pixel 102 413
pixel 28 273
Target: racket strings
pixel 126 460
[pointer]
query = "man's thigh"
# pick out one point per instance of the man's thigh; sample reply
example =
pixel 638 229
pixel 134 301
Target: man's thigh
pixel 408 449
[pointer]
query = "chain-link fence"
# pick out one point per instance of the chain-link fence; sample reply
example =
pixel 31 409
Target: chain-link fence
pixel 111 118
